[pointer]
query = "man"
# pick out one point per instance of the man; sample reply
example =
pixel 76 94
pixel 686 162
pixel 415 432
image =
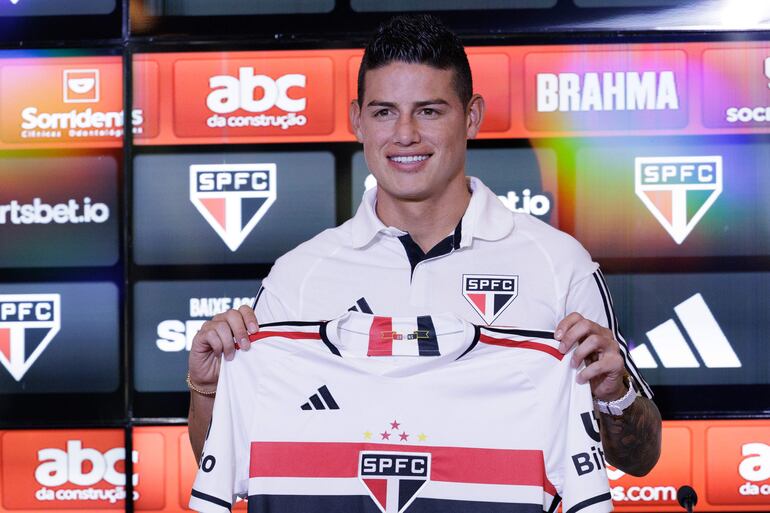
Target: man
pixel 425 239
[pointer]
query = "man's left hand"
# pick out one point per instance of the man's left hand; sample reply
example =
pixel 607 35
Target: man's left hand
pixel 598 349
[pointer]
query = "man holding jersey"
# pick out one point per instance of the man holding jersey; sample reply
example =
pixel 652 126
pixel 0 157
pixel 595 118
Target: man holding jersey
pixel 429 239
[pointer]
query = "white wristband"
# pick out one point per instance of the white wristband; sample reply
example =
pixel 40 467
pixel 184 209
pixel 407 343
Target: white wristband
pixel 618 406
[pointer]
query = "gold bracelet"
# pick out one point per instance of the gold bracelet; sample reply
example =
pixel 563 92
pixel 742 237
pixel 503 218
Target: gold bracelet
pixel 192 387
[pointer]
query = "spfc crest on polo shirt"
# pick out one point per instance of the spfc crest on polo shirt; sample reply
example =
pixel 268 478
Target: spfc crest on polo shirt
pixel 490 294
pixel 393 479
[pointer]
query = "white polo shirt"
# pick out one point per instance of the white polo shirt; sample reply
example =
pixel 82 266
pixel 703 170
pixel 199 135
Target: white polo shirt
pixel 498 268
pixel 401 415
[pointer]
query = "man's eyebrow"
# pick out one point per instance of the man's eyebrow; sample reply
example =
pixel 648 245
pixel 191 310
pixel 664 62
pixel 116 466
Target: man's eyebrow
pixel 422 103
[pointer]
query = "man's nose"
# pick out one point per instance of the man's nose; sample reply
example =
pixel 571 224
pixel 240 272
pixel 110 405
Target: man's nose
pixel 406 131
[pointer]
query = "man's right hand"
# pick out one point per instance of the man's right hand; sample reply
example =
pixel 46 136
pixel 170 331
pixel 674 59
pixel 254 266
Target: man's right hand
pixel 218 337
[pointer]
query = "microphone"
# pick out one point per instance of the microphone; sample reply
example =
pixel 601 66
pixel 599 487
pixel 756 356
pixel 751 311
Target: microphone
pixel 687 497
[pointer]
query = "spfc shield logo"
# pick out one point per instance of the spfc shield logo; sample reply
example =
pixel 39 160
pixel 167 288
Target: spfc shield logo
pixel 678 190
pixel 393 479
pixel 490 294
pixel 28 323
pixel 233 198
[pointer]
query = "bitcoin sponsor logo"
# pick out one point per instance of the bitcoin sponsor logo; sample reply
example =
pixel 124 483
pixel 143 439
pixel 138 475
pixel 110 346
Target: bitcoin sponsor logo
pixel 755 469
pixel 678 191
pixel 176 335
pixel 40 212
pixel 79 474
pixel 233 198
pixel 255 93
pixel 607 91
pixel 28 323
pixel 590 461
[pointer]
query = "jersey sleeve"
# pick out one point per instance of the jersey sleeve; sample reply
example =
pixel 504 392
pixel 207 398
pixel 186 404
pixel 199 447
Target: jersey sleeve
pixel 269 307
pixel 223 472
pixel 575 463
pixel 590 297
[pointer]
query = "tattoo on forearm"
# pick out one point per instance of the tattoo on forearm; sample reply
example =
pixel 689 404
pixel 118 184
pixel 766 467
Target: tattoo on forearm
pixel 632 441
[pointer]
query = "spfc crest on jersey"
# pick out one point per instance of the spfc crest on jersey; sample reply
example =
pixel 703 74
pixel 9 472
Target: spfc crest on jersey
pixel 490 294
pixel 233 198
pixel 678 191
pixel 393 479
pixel 28 323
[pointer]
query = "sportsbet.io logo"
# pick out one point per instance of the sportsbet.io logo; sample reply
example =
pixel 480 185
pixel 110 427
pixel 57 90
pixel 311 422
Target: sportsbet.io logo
pixel 233 198
pixel 678 190
pixel 490 294
pixel 393 479
pixel 28 323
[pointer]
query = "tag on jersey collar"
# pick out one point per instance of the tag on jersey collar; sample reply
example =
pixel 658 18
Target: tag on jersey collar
pixel 410 336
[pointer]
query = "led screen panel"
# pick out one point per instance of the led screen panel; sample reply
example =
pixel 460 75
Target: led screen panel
pixel 229 208
pixel 524 178
pixel 167 315
pixel 56 7
pixel 59 338
pixel 632 3
pixel 234 7
pixel 59 211
pixel 696 329
pixel 82 470
pixel 446 5
pixel 654 199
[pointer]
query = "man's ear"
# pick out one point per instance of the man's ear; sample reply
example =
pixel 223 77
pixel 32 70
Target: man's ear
pixel 475 115
pixel 355 119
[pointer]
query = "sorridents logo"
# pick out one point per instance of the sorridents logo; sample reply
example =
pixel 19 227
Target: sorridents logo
pixel 707 338
pixel 678 191
pixel 175 335
pixel 233 198
pixel 81 85
pixel 230 94
pixel 393 479
pixel 48 113
pixel 28 323
pixel 490 294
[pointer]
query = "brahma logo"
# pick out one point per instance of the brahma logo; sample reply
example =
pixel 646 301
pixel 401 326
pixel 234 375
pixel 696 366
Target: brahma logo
pixel 230 94
pixel 490 294
pixel 678 191
pixel 81 85
pixel 28 323
pixel 233 198
pixel 393 479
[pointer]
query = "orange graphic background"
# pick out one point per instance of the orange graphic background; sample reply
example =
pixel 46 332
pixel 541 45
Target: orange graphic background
pixel 703 454
pixel 499 75
pixel 724 456
pixel 19 460
pixel 191 88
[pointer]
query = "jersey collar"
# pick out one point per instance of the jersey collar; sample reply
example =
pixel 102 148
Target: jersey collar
pixel 485 218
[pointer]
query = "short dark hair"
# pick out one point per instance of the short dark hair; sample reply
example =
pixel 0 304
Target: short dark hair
pixel 418 39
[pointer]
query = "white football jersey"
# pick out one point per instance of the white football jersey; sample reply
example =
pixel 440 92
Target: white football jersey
pixel 427 414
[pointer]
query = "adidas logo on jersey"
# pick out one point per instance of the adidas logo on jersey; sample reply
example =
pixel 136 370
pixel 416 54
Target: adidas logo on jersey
pixel 673 349
pixel 323 400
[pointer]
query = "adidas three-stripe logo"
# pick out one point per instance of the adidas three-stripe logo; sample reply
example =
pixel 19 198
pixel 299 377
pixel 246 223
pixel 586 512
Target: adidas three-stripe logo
pixel 323 400
pixel 673 350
